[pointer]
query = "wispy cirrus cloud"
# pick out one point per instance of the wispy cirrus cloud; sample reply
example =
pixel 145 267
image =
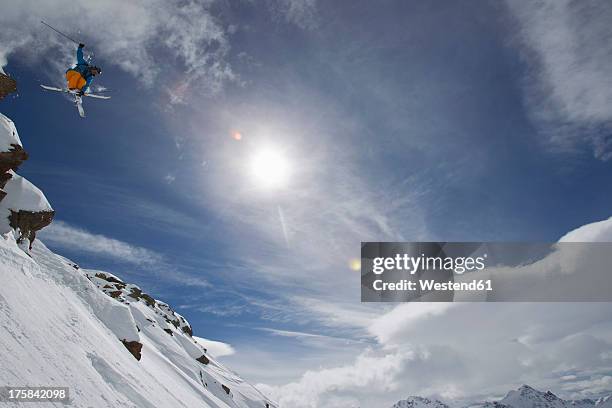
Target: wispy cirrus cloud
pixel 78 240
pixel 568 87
pixel 299 12
pixel 67 236
pixel 185 43
pixel 181 41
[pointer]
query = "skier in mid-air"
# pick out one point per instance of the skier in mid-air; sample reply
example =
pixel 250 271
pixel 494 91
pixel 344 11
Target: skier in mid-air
pixel 80 76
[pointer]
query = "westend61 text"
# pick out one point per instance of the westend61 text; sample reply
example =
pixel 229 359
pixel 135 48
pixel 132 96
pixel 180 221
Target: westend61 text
pixel 428 285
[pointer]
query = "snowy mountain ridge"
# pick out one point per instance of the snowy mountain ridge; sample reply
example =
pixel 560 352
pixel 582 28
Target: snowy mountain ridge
pixel 523 397
pixel 419 402
pixel 107 340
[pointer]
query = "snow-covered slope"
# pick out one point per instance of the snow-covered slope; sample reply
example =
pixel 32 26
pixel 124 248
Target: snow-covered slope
pixel 65 326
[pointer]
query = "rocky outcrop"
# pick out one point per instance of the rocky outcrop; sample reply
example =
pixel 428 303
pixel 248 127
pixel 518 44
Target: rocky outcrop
pixel 23 207
pixel 12 153
pixel 133 347
pixel 7 85
pixel 28 222
pixel 11 160
pixel 203 359
pixel 166 318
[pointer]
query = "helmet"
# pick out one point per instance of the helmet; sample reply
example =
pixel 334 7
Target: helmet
pixel 95 68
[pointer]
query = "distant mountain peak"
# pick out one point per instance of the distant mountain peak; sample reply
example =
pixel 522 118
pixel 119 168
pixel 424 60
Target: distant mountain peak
pixel 419 402
pixel 523 397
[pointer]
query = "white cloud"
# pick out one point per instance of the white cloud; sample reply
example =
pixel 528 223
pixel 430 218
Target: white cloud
pixel 595 232
pixel 569 87
pixel 340 314
pixel 66 236
pixel 462 352
pixel 469 353
pixel 179 40
pixel 321 341
pixel 369 372
pixel 405 316
pixel 215 348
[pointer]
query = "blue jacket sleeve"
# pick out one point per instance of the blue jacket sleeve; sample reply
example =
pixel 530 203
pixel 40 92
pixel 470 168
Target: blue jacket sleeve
pixel 87 83
pixel 80 59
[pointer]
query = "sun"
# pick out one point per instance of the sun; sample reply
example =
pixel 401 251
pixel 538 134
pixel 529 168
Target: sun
pixel 270 168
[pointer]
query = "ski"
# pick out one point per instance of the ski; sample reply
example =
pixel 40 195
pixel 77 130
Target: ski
pixel 90 95
pixel 78 101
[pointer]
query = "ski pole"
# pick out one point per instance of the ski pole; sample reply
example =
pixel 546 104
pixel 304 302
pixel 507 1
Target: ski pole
pixel 60 33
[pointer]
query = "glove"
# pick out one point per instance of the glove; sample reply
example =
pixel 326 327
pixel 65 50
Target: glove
pixel 81 45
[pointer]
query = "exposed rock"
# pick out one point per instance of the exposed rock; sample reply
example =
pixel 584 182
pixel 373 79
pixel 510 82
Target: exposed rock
pixel 28 222
pixel 11 151
pixel 11 160
pixel 7 85
pixel 137 294
pixel 133 347
pixel 109 278
pixel 203 359
pixel 169 332
pixel 187 330
pixel 226 389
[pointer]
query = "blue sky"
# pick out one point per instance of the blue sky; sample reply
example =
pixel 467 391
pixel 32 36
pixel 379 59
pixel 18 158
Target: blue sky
pixel 399 121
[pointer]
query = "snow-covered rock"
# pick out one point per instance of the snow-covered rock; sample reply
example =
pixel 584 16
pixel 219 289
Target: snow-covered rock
pixel 11 151
pixel 419 402
pixel 24 208
pixel 582 403
pixel 604 402
pixel 528 397
pixel 9 138
pixel 67 326
pixel 23 195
